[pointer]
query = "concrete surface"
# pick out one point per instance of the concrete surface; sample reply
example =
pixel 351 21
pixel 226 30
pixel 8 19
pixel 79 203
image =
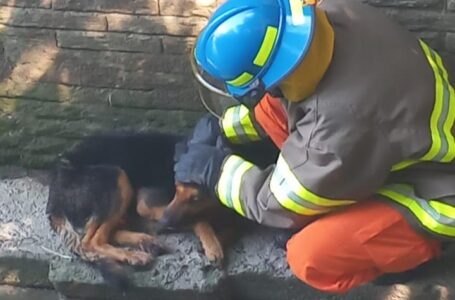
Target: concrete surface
pixel 255 268
pixel 15 293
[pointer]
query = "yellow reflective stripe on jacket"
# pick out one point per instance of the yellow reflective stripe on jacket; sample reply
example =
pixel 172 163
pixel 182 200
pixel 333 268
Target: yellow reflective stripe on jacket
pixel 433 215
pixel 442 117
pixel 404 164
pixel 238 126
pixel 229 184
pixel 292 195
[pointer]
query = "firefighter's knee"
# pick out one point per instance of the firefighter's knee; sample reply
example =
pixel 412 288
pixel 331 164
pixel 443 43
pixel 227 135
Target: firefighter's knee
pixel 303 257
pixel 309 261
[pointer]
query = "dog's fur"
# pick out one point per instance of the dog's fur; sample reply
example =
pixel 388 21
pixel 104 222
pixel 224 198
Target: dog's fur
pixel 107 181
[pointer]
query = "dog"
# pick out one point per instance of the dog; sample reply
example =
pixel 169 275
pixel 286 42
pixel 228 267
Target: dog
pixel 92 198
pixel 110 189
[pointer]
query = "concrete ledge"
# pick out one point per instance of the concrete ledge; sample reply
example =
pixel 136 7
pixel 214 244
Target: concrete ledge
pixel 255 268
pixel 14 293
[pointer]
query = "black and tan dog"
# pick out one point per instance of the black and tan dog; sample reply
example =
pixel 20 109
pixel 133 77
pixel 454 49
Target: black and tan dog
pixel 109 184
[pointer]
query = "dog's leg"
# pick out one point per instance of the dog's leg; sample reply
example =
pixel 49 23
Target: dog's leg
pixel 90 230
pixel 210 243
pixel 100 239
pixel 100 245
pixel 143 241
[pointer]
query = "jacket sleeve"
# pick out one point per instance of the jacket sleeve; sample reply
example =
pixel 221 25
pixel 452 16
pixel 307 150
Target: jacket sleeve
pixel 319 170
pixel 239 125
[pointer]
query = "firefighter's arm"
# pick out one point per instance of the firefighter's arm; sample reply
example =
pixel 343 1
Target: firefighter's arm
pixel 318 171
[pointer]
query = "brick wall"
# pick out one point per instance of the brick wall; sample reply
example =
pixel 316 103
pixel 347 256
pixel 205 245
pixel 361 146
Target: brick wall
pixel 71 68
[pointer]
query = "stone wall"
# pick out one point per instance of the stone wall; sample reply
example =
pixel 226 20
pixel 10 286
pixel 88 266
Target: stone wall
pixel 71 68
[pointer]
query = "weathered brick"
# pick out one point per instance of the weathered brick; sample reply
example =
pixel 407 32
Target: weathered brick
pixel 8 33
pixel 187 7
pixel 177 45
pixel 130 62
pixel 165 99
pixel 147 7
pixel 183 98
pixel 450 42
pixel 451 5
pixel 25 53
pixel 406 3
pixel 105 69
pixel 108 41
pixel 423 20
pixel 139 80
pixel 180 26
pixel 28 61
pixel 117 69
pixel 37 118
pixel 27 3
pixel 45 18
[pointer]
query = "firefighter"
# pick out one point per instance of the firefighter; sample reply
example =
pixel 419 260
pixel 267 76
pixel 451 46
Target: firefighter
pixel 363 113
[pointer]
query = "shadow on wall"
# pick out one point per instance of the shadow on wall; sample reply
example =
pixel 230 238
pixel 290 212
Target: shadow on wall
pixel 74 68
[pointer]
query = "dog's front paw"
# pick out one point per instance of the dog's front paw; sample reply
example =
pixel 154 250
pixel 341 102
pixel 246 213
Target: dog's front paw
pixel 139 258
pixel 215 254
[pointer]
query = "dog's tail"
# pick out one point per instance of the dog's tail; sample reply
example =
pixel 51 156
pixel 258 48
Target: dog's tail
pixel 114 273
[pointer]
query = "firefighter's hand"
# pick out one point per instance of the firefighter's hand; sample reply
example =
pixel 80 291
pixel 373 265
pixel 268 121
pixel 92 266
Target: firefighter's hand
pixel 201 165
pixel 207 131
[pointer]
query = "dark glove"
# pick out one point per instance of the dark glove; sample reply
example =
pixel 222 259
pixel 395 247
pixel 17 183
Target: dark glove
pixel 201 165
pixel 207 131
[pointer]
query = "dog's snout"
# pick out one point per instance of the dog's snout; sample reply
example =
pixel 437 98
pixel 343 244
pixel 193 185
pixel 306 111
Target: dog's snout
pixel 168 221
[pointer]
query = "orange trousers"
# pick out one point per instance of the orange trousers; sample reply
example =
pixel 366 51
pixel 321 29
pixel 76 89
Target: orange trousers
pixel 345 249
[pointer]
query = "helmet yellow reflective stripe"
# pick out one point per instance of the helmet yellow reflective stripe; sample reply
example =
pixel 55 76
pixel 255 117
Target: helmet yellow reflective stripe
pixel 243 79
pixel 261 58
pixel 238 126
pixel 229 184
pixel 291 194
pixel 267 46
pixel 433 215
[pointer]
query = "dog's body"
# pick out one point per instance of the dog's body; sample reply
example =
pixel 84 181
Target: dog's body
pixel 92 198
pixel 109 181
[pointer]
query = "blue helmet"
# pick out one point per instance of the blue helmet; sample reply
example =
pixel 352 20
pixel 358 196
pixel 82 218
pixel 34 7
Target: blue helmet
pixel 249 46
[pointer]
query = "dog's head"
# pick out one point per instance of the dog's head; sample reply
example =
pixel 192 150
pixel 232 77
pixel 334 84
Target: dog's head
pixel 188 203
